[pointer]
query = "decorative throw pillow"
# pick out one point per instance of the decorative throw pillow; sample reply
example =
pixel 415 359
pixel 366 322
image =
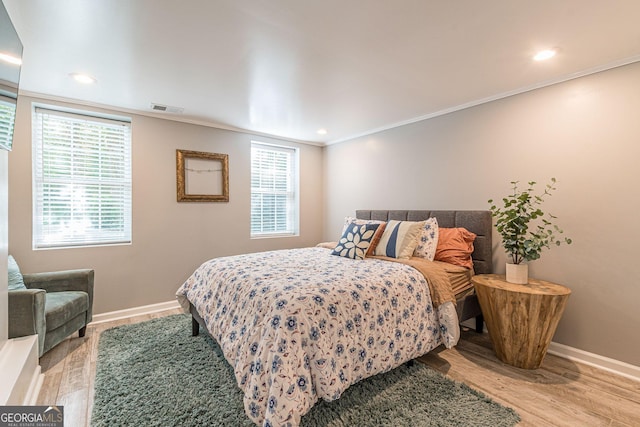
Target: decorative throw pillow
pixel 15 276
pixel 455 246
pixel 355 241
pixel 427 240
pixel 399 239
pixel 376 238
pixel 326 245
pixel 349 220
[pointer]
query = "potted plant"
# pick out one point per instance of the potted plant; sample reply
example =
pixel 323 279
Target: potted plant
pixel 525 229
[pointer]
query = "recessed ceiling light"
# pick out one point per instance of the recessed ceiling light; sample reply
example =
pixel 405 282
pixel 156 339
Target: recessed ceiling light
pixel 10 58
pixel 543 55
pixel 322 131
pixel 82 78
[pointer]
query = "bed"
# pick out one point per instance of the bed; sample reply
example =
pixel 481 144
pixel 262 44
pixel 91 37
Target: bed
pixel 301 325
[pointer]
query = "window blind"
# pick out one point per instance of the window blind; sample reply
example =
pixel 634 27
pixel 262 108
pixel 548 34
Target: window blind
pixel 274 201
pixel 81 179
pixel 7 117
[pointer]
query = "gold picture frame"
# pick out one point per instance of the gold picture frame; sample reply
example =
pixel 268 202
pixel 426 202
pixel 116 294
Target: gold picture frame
pixel 202 176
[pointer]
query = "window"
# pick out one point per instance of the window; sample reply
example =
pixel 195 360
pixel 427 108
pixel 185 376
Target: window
pixel 274 199
pixel 81 180
pixel 7 117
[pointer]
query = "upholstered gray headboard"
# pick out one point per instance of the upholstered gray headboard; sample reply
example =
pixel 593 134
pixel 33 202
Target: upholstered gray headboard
pixel 478 222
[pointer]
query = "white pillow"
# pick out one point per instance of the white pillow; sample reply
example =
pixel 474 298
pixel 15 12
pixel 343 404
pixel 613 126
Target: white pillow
pixel 351 220
pixel 427 240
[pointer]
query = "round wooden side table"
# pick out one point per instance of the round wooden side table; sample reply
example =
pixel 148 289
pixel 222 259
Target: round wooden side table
pixel 521 319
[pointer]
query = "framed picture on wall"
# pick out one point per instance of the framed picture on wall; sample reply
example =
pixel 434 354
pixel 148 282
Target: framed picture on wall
pixel 202 176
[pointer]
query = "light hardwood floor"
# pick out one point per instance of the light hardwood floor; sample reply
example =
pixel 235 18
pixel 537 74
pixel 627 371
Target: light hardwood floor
pixel 560 393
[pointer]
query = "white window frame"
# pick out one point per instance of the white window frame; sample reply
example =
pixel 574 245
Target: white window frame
pixel 292 192
pixel 109 150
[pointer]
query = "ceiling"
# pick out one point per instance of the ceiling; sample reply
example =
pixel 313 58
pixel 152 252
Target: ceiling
pixel 288 67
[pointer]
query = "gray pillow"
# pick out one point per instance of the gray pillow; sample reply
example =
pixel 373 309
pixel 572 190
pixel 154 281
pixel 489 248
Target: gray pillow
pixel 15 277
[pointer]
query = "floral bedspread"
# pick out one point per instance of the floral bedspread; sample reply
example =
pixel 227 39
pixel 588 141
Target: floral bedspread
pixel 299 325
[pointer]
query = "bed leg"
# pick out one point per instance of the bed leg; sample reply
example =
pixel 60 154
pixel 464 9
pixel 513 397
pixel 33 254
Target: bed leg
pixel 195 327
pixel 479 323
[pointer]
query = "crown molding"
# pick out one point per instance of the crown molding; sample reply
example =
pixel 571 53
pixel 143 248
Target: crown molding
pixel 524 89
pixel 192 121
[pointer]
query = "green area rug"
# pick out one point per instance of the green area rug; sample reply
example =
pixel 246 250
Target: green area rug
pixel 156 374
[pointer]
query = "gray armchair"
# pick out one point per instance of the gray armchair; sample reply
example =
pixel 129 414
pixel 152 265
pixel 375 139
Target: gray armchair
pixel 53 305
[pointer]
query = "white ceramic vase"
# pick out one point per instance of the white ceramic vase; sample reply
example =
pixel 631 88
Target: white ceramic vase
pixel 518 273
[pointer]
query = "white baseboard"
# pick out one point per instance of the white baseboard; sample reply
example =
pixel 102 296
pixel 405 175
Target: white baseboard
pixel 135 311
pixel 20 373
pixel 601 362
pixel 34 388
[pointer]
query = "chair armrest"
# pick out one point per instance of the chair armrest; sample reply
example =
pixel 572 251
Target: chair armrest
pixel 67 280
pixel 57 281
pixel 26 314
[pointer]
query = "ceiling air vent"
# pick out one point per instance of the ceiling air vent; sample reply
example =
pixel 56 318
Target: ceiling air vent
pixel 167 108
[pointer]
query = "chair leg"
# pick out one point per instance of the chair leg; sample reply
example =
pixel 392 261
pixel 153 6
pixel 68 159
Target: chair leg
pixel 82 331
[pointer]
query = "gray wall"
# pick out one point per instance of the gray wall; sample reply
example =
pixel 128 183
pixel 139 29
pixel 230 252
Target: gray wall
pixel 585 133
pixel 170 239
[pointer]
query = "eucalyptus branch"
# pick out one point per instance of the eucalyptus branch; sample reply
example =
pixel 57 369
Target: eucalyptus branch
pixel 525 229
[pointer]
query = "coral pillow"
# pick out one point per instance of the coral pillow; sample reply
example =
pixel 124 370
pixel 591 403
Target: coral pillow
pixel 455 246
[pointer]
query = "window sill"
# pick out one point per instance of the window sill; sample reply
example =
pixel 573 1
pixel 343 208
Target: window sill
pixel 274 235
pixel 80 246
